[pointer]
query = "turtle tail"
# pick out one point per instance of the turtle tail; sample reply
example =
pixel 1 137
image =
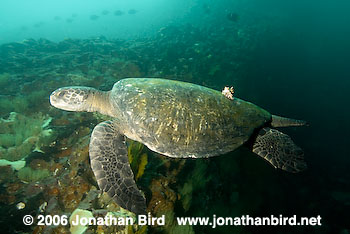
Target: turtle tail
pixel 278 121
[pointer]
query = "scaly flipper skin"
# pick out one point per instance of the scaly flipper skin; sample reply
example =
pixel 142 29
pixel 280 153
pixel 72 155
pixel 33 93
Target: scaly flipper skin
pixel 110 164
pixel 279 150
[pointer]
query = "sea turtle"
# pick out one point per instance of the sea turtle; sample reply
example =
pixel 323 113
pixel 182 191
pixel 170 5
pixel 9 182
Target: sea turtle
pixel 176 119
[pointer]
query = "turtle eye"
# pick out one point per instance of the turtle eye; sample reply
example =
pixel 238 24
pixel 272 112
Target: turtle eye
pixel 61 94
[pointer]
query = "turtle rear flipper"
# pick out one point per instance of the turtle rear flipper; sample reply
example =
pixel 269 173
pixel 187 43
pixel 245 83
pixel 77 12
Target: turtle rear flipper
pixel 110 164
pixel 279 150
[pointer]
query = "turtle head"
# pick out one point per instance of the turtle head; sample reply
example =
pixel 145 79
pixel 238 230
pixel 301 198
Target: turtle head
pixel 73 98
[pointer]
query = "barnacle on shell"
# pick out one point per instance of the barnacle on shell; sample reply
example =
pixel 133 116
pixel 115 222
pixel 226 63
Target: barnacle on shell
pixel 228 92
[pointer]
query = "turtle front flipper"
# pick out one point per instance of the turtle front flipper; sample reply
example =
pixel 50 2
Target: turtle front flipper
pixel 110 164
pixel 279 150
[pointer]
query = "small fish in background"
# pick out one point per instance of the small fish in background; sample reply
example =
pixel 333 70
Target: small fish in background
pixel 57 18
pixel 69 20
pixel 118 13
pixel 105 12
pixel 132 12
pixel 234 17
pixel 94 17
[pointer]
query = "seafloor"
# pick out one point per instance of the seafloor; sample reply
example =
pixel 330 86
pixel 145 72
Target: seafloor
pixel 44 151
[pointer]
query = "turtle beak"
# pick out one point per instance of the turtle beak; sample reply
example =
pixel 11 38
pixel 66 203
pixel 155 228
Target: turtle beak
pixel 53 99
